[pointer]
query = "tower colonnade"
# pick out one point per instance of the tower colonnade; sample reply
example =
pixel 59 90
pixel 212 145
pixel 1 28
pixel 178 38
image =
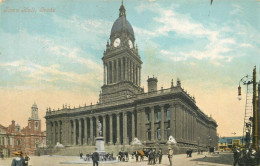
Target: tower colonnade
pixel 122 69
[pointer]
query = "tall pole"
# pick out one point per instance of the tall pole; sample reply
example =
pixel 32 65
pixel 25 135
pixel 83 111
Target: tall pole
pixel 255 110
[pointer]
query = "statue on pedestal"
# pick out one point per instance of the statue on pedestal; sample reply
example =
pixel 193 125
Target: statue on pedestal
pixel 99 128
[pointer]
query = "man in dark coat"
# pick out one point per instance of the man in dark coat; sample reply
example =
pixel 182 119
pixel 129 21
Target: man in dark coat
pixel 236 153
pixel 160 156
pixel 26 159
pixel 95 158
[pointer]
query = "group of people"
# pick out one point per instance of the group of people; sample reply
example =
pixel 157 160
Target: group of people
pixel 154 156
pixel 247 156
pixel 19 160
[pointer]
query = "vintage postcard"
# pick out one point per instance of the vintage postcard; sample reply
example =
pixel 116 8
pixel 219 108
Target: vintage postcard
pixel 128 82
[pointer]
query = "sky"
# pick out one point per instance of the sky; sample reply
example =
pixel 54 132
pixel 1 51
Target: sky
pixel 50 52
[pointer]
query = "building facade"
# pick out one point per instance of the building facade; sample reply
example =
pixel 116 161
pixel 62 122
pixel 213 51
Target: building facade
pixel 228 143
pixel 126 111
pixel 27 139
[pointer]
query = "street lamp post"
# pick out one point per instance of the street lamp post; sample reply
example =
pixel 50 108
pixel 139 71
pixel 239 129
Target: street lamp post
pixel 248 80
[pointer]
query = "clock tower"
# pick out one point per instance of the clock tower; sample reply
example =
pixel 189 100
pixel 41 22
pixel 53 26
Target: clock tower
pixel 122 63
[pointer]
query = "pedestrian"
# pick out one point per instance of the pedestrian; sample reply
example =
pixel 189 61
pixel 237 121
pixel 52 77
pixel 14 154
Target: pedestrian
pixel 81 155
pixel 160 156
pixel 236 154
pixel 136 156
pixel 154 156
pixel 26 159
pixel 95 158
pixel 2 156
pixel 18 161
pixel 187 153
pixel 170 155
pixel 190 153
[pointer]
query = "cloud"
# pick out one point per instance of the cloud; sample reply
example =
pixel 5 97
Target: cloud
pixel 90 31
pixel 73 53
pixel 169 20
pixel 247 45
pixel 12 64
pixel 236 9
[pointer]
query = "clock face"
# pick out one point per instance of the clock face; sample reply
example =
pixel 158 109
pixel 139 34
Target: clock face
pixel 130 43
pixel 117 42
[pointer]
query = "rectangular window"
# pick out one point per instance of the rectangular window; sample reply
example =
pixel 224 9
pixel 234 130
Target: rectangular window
pixel 159 116
pixel 168 114
pixel 149 117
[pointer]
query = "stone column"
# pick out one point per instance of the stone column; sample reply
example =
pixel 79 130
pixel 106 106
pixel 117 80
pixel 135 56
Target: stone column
pixel 91 131
pixel 112 71
pixel 104 72
pixel 140 76
pixel 69 133
pixel 117 128
pixel 109 73
pixel 133 72
pixel 86 131
pixel 122 69
pixel 104 128
pixel 162 123
pixel 139 123
pixel 128 69
pixel 80 134
pixel 152 123
pixel 125 139
pixel 48 134
pixel 110 129
pixel 55 135
pixel 97 134
pixel 136 75
pixel 117 69
pixel 178 121
pixel 125 69
pixel 133 125
pixel 144 120
pixel 74 132
pixel 58 131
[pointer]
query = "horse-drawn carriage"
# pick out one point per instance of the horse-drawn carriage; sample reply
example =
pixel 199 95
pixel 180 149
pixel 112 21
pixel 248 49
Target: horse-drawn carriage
pixel 140 154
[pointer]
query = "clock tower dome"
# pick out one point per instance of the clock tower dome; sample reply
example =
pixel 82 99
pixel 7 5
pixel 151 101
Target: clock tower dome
pixel 122 63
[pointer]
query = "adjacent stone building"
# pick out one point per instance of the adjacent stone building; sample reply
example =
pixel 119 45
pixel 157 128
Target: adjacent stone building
pixel 27 140
pixel 126 111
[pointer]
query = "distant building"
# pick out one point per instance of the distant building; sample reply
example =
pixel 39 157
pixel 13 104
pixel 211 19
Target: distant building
pixel 227 143
pixel 126 111
pixel 27 140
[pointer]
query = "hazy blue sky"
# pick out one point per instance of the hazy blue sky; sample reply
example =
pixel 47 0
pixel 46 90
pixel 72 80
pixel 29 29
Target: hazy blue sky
pixel 52 54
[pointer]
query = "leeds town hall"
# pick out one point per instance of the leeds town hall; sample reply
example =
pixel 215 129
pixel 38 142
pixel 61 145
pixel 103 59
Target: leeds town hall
pixel 126 111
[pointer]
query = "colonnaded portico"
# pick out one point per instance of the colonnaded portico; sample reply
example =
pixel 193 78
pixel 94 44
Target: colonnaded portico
pixel 126 111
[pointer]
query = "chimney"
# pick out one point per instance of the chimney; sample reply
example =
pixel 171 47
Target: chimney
pixel 152 84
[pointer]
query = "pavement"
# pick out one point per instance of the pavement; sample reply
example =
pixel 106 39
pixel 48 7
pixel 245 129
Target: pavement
pixel 222 159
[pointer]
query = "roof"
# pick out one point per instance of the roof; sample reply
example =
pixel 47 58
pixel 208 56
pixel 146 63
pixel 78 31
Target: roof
pixel 34 105
pixel 121 24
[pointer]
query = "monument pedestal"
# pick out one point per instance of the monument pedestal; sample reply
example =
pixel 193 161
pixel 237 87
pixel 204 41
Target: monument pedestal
pixel 100 145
